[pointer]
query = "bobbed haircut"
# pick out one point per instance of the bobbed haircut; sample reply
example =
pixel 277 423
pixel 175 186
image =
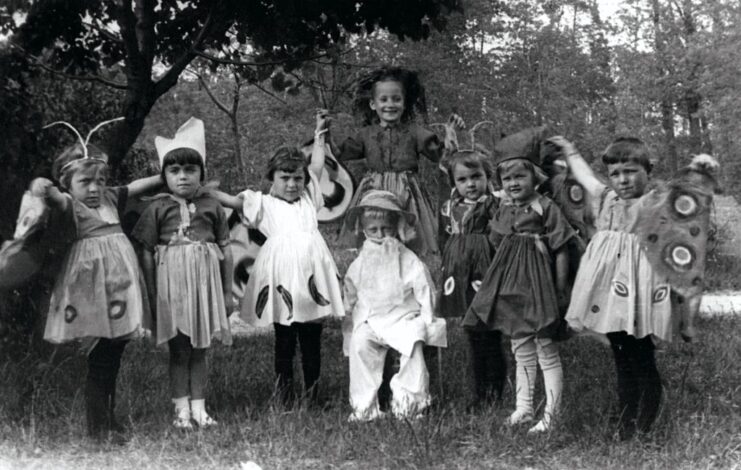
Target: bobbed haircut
pixel 471 159
pixel 183 156
pixel 628 150
pixel 287 159
pixel 539 175
pixel 414 93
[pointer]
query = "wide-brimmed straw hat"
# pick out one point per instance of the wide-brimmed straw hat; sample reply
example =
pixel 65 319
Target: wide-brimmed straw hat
pixel 379 199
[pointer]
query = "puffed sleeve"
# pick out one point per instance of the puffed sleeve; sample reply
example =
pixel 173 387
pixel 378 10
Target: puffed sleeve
pixel 146 230
pixel 557 230
pixel 352 148
pixel 252 207
pixel 428 144
pixel 315 191
pixel 221 227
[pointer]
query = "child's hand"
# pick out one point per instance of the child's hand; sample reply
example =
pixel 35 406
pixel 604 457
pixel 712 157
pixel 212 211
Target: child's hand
pixel 322 121
pixel 40 187
pixel 456 121
pixel 567 148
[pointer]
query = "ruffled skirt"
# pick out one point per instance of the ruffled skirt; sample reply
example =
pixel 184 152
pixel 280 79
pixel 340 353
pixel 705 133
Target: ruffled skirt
pixel 414 199
pixel 517 295
pixel 465 261
pixel 190 295
pixel 99 293
pixel 616 289
pixel 294 279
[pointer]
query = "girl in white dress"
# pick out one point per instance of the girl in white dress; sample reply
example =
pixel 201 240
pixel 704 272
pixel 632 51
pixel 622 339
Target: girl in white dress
pixel 294 282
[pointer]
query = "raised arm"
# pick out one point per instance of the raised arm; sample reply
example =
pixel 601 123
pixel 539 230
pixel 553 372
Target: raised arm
pixel 579 167
pixel 144 185
pixel 42 187
pixel 227 200
pixel 317 153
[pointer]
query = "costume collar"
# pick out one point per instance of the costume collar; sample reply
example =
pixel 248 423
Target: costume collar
pixel 535 204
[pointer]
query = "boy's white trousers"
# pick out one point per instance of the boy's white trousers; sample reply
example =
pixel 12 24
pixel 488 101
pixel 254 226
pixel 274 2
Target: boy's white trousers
pixel 409 386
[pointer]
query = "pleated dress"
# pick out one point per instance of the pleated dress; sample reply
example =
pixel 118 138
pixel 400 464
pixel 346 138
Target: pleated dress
pixel 100 291
pixel 294 277
pixel 518 294
pixel 186 238
pixel 468 251
pixel 616 288
pixel 392 156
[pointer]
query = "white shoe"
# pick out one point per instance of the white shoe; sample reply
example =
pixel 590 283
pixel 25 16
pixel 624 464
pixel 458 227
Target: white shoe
pixel 182 420
pixel 205 421
pixel 356 417
pixel 519 417
pixel 544 425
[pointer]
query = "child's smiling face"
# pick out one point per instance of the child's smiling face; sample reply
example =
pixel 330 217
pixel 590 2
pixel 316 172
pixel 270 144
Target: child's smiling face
pixel 628 179
pixel 183 180
pixel 469 182
pixel 288 185
pixel 388 101
pixel 518 182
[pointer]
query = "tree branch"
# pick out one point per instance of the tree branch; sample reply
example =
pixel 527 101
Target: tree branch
pixel 127 23
pixel 170 78
pixel 108 34
pixel 213 97
pixel 269 93
pixel 85 78
pixel 222 61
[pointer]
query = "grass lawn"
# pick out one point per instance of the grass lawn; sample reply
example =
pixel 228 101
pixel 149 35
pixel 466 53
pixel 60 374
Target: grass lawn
pixel 42 414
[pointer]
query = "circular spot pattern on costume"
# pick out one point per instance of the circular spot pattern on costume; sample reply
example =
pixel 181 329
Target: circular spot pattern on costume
pixel 476 285
pixel 595 309
pixel 116 309
pixel 685 205
pixel 660 294
pixel 682 256
pixel 449 286
pixel 576 193
pixel 620 288
pixel 653 238
pixel 695 231
pixel 70 313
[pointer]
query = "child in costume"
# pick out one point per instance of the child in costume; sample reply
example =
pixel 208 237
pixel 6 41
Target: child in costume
pixel 389 297
pixel 294 282
pixel 467 254
pixel 99 295
pixel 620 291
pixel 391 145
pixel 527 280
pixel 187 262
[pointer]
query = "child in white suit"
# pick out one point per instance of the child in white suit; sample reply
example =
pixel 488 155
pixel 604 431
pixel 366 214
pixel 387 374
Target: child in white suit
pixel 389 300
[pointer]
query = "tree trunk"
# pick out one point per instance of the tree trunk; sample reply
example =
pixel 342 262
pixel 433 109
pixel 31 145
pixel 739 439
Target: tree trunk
pixel 667 104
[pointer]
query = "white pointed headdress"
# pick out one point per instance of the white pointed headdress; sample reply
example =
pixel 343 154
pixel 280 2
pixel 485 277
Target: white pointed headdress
pixel 190 135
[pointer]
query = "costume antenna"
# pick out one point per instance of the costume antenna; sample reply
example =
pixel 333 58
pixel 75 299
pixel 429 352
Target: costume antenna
pixel 79 137
pixel 94 129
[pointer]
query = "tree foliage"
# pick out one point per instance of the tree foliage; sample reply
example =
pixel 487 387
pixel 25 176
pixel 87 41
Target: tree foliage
pixel 124 43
